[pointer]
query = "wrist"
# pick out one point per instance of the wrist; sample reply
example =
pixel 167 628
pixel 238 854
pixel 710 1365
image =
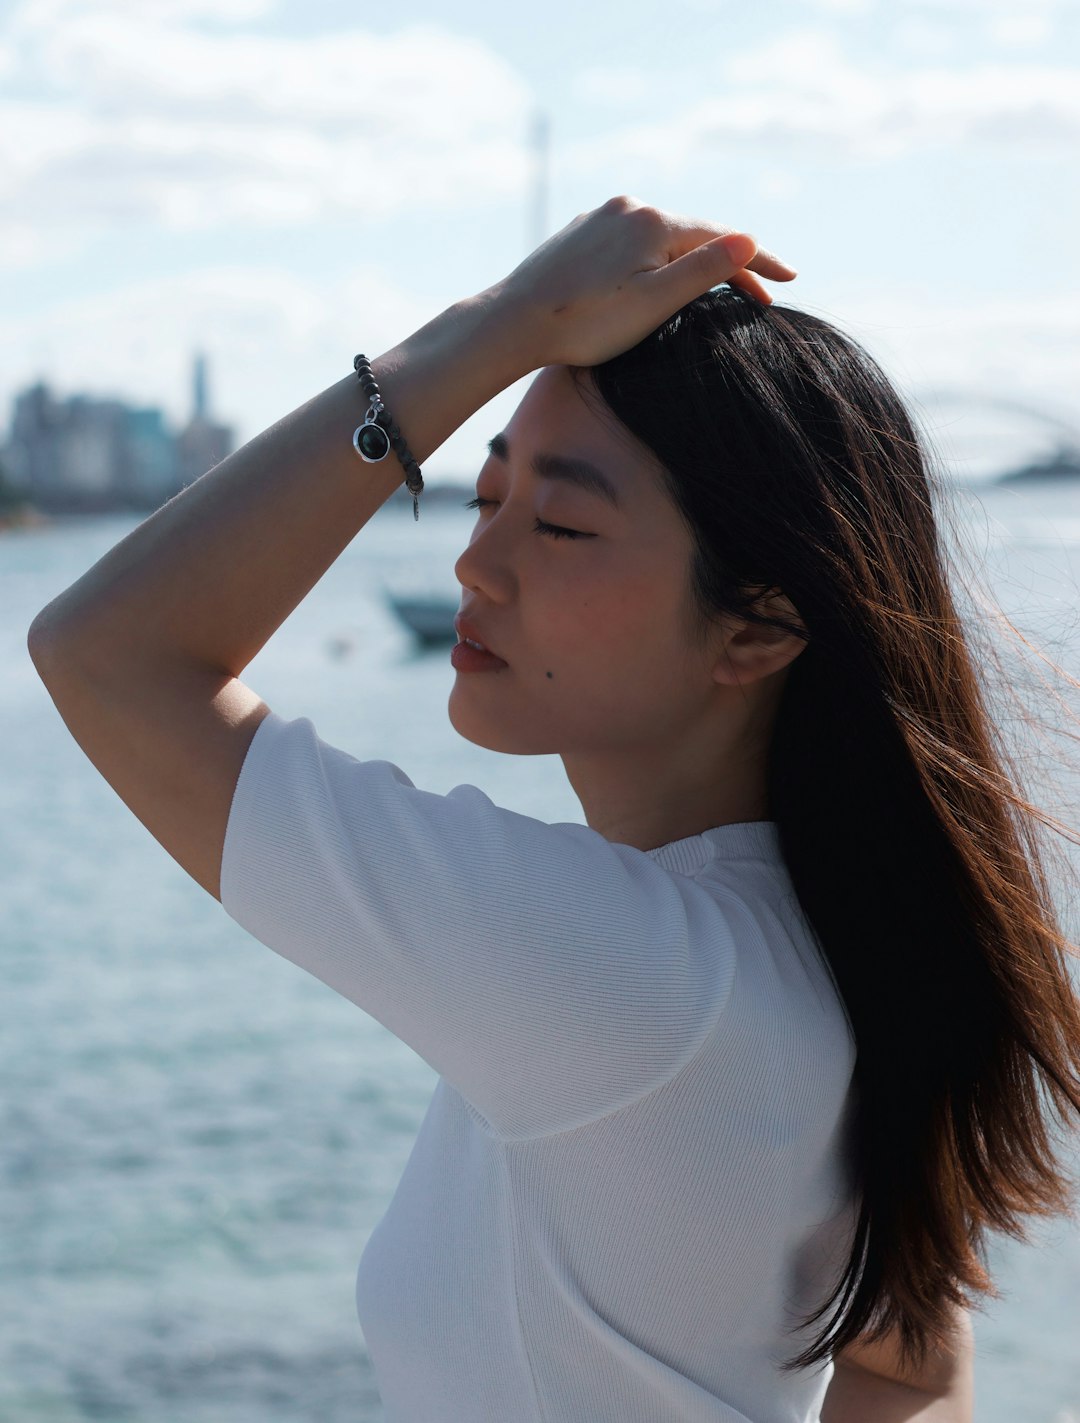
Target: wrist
pixel 483 338
pixel 449 368
pixel 510 328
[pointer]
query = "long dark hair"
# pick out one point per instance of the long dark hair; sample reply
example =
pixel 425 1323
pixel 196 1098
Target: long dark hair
pixel 914 854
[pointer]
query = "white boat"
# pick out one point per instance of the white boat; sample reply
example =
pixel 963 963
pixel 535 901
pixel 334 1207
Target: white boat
pixel 1062 464
pixel 429 616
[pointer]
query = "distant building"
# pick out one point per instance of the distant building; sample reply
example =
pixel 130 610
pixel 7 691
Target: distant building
pixel 201 444
pixel 87 455
pixel 150 465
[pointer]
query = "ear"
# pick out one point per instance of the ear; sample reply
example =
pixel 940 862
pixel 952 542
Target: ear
pixel 752 651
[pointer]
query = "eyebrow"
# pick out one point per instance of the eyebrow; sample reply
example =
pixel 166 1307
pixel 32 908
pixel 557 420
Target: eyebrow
pixel 575 471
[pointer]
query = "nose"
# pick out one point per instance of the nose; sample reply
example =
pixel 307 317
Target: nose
pixel 484 565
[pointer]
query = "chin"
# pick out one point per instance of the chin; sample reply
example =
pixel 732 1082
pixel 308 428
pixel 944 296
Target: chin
pixel 483 728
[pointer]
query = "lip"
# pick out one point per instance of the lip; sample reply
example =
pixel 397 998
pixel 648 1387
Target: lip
pixel 467 630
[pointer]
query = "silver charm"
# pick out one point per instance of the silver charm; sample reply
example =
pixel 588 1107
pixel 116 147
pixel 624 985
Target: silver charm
pixel 370 440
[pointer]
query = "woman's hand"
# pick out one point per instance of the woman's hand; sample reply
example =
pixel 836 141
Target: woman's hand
pixel 609 277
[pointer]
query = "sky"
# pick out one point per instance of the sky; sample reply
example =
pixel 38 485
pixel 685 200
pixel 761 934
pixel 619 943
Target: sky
pixel 284 184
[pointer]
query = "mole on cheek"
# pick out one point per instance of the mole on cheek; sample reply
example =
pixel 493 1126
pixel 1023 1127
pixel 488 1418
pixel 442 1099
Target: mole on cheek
pixel 550 674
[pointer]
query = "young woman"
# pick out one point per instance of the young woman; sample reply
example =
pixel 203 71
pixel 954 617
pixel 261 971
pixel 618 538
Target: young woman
pixel 734 1077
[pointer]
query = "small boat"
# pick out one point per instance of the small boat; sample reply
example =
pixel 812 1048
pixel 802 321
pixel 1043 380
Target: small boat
pixel 1064 463
pixel 428 616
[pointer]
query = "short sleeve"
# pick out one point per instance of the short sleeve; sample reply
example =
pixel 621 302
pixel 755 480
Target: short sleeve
pixel 550 975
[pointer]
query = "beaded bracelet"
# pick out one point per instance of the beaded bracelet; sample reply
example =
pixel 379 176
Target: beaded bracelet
pixel 374 439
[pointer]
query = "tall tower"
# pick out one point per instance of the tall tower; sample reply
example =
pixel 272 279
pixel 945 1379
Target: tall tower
pixel 202 443
pixel 199 387
pixel 540 148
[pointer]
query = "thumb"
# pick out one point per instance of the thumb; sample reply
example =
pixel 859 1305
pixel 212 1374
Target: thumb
pixel 705 266
pixel 738 247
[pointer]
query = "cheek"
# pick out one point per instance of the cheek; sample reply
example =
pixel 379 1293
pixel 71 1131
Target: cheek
pixel 607 626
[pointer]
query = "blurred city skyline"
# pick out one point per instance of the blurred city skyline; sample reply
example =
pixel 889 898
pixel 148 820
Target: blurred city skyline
pixel 85 454
pixel 284 185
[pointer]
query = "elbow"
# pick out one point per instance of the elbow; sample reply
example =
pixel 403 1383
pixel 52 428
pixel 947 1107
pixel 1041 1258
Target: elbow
pixel 39 641
pixel 50 647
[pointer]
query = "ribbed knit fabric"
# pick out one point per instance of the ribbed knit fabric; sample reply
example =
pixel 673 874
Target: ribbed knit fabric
pixel 633 1175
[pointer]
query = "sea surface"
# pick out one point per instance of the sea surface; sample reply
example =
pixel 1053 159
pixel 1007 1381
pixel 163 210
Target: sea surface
pixel 198 1138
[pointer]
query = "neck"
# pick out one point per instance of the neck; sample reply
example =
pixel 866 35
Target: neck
pixel 632 799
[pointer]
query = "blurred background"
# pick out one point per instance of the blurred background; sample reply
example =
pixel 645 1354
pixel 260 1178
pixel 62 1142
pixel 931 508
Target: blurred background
pixel 206 209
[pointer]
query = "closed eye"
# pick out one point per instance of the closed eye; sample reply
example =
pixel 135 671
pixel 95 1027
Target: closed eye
pixel 555 531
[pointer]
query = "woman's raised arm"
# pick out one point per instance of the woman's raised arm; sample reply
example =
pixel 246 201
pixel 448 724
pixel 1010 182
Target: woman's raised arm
pixel 213 573
pixel 143 653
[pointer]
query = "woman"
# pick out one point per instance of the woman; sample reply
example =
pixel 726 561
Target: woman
pixel 757 1046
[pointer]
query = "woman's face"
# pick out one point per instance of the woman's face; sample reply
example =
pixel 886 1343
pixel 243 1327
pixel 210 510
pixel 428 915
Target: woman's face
pixel 593 629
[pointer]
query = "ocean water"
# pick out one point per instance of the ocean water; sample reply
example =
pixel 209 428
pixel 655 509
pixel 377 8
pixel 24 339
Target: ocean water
pixel 198 1138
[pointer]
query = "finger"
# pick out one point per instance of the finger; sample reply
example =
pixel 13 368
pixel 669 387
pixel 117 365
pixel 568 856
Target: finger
pixel 699 269
pixel 770 265
pixel 692 233
pixel 749 283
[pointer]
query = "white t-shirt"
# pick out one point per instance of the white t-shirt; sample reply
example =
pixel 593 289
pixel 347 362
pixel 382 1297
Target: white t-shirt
pixel 634 1171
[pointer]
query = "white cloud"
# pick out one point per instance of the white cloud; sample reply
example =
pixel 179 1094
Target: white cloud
pixel 613 85
pixel 927 38
pixel 993 358
pixel 843 7
pixel 52 13
pixel 980 7
pixel 940 9
pixel 275 339
pixel 23 246
pixel 1006 339
pixel 1019 31
pixel 780 183
pixel 125 115
pixel 131 61
pixel 272 339
pixel 184 115
pixel 932 27
pixel 256 321
pixel 804 96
